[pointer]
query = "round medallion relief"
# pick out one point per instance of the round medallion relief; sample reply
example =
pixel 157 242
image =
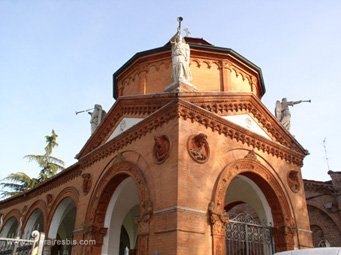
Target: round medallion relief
pixel 198 148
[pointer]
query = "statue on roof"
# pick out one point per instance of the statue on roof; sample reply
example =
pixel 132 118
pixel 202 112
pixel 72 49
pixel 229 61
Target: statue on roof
pixel 96 117
pixel 282 112
pixel 180 57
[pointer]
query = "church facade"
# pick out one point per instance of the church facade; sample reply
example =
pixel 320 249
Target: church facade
pixel 176 167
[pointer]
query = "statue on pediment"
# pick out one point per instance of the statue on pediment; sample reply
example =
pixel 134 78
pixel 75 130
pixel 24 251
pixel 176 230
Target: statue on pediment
pixel 96 117
pixel 282 112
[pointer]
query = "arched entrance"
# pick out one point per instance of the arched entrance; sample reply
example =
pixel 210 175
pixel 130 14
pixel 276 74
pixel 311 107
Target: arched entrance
pixel 120 219
pixel 249 230
pixel 34 222
pixel 264 195
pixel 62 226
pixel 119 211
pixel 10 229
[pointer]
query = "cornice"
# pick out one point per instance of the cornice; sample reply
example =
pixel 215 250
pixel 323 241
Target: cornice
pixel 235 132
pixel 132 106
pixel 221 103
pixel 60 179
pixel 155 120
pixel 200 49
pixel 319 187
pixel 182 109
pixel 240 103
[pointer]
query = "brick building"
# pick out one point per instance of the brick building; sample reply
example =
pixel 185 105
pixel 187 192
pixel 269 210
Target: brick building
pixel 168 164
pixel 324 207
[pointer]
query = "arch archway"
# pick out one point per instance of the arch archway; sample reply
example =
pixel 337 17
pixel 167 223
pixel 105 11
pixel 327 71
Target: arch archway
pixel 35 217
pixel 323 227
pixel 62 226
pixel 10 228
pixel 119 177
pixel 274 193
pixel 35 221
pixel 11 224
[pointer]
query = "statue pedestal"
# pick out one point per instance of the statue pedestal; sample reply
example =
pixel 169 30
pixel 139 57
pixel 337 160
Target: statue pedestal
pixel 181 86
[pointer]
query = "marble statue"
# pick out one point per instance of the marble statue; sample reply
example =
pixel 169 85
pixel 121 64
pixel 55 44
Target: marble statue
pixel 282 112
pixel 180 57
pixel 96 117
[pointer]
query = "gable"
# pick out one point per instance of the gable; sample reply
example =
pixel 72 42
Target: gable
pixel 247 122
pixel 123 125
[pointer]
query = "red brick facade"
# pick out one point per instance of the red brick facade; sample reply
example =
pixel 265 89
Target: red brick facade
pixel 182 156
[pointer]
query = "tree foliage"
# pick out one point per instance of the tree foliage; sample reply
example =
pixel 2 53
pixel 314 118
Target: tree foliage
pixel 16 183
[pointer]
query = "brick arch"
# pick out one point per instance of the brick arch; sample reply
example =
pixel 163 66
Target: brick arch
pixel 39 204
pixel 68 192
pixel 113 175
pixel 323 220
pixel 282 212
pixel 13 213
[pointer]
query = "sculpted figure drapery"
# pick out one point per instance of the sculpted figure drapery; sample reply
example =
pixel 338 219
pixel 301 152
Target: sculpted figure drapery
pixel 96 117
pixel 180 57
pixel 282 112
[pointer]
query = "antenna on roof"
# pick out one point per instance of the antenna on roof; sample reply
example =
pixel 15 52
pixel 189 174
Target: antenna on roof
pixel 325 152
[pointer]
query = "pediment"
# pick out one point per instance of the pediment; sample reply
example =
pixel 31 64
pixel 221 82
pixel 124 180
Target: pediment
pixel 125 113
pixel 246 121
pixel 125 124
pixel 241 117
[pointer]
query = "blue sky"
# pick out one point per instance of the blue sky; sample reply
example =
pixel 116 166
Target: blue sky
pixel 58 57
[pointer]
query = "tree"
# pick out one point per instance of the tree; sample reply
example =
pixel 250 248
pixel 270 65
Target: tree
pixel 20 182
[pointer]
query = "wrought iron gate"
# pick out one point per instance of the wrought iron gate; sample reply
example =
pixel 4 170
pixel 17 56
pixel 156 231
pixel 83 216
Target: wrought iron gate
pixel 16 246
pixel 246 236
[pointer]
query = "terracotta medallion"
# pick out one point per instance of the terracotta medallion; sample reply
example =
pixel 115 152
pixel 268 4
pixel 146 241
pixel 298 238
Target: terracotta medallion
pixel 294 181
pixel 198 148
pixel 161 148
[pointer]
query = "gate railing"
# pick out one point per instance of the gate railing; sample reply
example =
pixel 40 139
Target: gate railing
pixel 246 236
pixel 16 246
